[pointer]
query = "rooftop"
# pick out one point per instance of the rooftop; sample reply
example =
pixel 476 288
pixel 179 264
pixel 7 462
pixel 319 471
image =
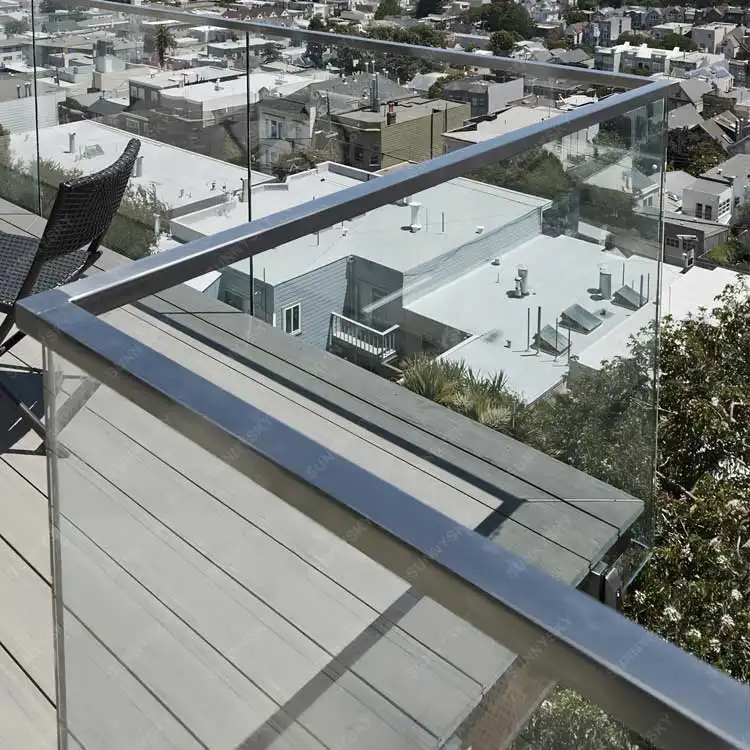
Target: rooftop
pixel 172 78
pixel 381 236
pixel 736 166
pixel 710 187
pixel 562 272
pixel 98 145
pixel 405 109
pixel 503 122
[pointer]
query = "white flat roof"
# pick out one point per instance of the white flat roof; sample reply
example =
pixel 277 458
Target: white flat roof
pixel 682 295
pixel 511 119
pixel 381 236
pixel 179 177
pixel 171 78
pixel 205 93
pixel 562 271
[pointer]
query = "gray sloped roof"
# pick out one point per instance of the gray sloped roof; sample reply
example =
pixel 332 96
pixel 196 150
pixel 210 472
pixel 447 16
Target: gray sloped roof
pixel 685 116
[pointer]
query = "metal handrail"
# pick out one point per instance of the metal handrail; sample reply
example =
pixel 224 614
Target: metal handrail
pixel 370 329
pixel 653 687
pixel 520 67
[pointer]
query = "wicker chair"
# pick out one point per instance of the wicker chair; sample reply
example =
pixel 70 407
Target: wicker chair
pixel 83 210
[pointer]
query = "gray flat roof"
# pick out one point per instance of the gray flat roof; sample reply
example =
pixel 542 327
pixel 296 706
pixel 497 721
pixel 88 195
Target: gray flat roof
pixel 407 109
pixel 709 186
pixel 738 166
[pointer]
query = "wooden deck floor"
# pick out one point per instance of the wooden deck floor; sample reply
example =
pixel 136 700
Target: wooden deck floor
pixel 202 612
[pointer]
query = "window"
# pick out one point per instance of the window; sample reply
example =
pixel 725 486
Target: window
pixel 359 153
pixel 274 129
pixel 672 241
pixel 699 210
pixel 234 300
pixel 707 212
pixel 292 319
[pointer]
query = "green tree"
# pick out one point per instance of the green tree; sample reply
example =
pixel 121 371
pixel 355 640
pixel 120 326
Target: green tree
pixel 387 8
pixel 670 41
pixel 537 173
pixel 693 151
pixel 501 42
pixel 271 53
pixel 14 27
pixel 504 15
pixel 428 8
pixel 437 88
pixel 573 15
pixel 160 41
pixel 315 50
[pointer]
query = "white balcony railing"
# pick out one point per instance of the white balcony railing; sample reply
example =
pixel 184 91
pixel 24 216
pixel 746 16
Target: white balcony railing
pixel 378 344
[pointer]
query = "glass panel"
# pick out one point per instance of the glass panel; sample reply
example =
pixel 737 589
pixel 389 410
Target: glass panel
pixel 514 295
pixel 198 610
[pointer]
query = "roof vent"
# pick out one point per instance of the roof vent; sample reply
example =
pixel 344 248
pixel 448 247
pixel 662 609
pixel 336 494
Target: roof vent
pixel 523 275
pixel 479 229
pixel 414 225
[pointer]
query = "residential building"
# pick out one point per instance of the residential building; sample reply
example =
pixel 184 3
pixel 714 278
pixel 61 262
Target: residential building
pixel 740 70
pixel 653 17
pixel 611 28
pixel 710 37
pixel 675 27
pixel 576 58
pixel 145 90
pixel 304 119
pixel 709 198
pixel 569 149
pixel 484 95
pixel 626 58
pixel 16 116
pixel 736 171
pixel 406 130
pixel 733 42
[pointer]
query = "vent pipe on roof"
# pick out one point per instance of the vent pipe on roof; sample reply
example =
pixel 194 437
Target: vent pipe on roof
pixel 139 167
pixel 28 88
pixel 523 275
pixel 18 90
pixel 243 190
pixel 374 94
pixel 414 225
pixel 71 143
pixel 605 282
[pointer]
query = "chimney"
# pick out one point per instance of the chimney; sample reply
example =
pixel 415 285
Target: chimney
pixel 71 142
pixel 414 225
pixel 605 282
pixel 390 116
pixel 523 275
pixel 139 167
pixel 374 94
pixel 243 191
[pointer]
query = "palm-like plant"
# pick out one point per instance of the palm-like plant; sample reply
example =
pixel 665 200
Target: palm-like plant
pixel 163 42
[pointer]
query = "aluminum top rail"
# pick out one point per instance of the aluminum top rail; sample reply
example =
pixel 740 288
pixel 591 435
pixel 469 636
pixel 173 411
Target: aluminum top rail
pixel 527 68
pixel 656 689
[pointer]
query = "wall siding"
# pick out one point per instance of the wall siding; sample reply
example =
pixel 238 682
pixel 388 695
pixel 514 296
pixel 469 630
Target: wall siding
pixel 460 261
pixel 319 292
pixel 17 115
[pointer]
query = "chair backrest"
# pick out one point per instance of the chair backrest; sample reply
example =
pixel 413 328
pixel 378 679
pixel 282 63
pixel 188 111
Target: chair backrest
pixel 84 208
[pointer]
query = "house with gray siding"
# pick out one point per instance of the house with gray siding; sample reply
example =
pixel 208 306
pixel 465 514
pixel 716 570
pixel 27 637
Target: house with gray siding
pixel 342 288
